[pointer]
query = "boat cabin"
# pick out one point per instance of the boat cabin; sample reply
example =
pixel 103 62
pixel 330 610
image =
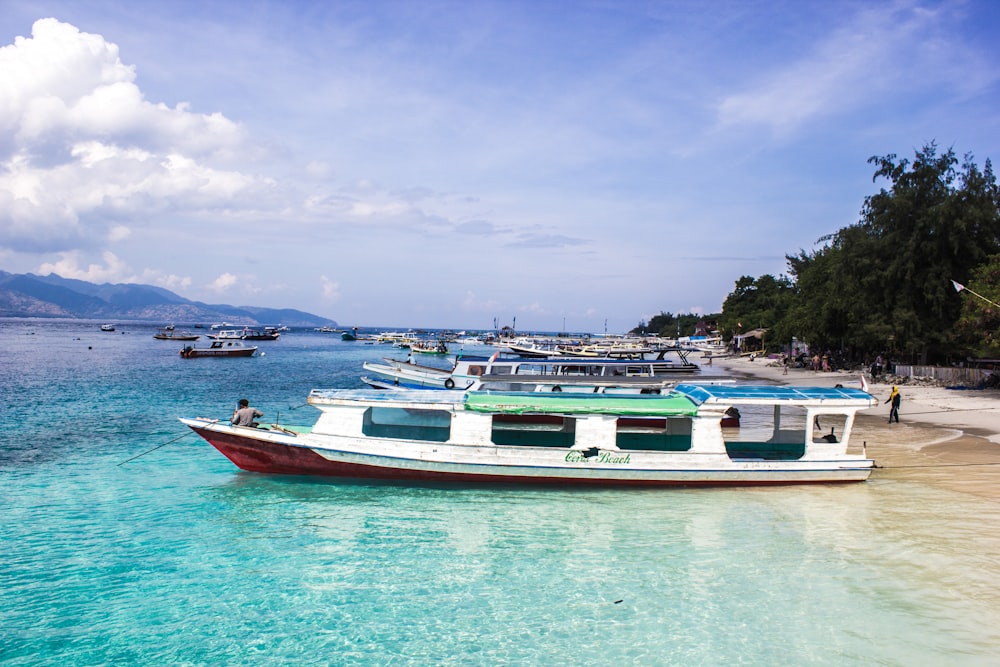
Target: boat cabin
pixel 777 424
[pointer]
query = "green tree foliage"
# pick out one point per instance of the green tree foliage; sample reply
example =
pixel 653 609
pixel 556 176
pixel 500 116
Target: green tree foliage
pixel 760 303
pixel 884 283
pixel 669 325
pixel 979 322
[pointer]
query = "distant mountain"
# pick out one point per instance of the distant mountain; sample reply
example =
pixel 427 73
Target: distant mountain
pixel 28 295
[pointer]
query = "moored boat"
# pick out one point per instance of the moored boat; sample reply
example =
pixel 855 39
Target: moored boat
pixel 674 439
pixel 170 334
pixel 268 333
pixel 429 347
pixel 516 373
pixel 227 334
pixel 219 348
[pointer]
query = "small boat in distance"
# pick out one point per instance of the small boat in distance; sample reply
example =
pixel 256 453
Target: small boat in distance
pixel 569 439
pixel 227 334
pixel 107 327
pixel 170 334
pixel 268 333
pixel 219 348
pixel 429 347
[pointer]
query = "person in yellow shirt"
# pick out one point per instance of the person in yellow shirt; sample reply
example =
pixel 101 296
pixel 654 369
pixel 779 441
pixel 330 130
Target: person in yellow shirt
pixel 894 398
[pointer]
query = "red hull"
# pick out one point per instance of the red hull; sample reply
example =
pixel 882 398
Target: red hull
pixel 265 457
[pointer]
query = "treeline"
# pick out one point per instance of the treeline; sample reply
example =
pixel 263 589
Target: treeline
pixel 669 325
pixel 891 283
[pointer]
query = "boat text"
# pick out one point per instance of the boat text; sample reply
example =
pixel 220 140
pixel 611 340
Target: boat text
pixel 581 456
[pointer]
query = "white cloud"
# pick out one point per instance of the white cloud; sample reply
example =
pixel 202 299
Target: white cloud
pixel 68 266
pixel 854 66
pixel 473 303
pixel 330 289
pixel 119 233
pixel 223 282
pixel 535 308
pixel 80 146
pixel 167 281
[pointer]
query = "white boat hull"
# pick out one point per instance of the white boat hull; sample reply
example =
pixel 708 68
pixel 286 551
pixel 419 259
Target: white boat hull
pixel 276 452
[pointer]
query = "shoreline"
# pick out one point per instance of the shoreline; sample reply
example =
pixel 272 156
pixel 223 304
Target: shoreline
pixel 947 438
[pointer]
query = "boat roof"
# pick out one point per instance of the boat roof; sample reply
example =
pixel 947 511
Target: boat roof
pixel 682 400
pixel 663 405
pixel 512 402
pixel 729 394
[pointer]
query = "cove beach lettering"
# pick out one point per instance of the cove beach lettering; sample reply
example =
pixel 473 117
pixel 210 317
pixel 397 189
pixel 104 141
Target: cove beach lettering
pixel 580 456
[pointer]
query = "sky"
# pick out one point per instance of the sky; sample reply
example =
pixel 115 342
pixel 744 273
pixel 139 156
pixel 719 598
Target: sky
pixel 556 165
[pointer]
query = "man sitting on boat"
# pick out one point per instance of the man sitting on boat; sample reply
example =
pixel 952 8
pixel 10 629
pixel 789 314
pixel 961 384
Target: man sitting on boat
pixel 245 415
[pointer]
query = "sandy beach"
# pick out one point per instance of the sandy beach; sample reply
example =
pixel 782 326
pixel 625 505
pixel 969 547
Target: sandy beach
pixel 945 437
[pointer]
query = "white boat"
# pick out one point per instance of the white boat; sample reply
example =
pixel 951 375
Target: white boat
pixel 515 373
pixel 429 347
pixel 707 345
pixel 407 374
pixel 170 334
pixel 227 334
pixel 107 327
pixel 675 439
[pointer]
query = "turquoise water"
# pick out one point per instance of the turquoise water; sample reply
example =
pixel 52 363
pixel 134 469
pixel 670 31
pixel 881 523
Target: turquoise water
pixel 176 557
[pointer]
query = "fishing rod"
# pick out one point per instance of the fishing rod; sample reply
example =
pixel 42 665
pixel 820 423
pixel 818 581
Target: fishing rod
pixel 184 435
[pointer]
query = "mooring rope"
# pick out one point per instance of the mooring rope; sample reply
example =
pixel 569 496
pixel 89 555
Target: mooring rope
pixel 937 465
pixel 937 412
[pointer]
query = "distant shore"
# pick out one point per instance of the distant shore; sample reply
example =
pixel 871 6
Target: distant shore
pixel 945 437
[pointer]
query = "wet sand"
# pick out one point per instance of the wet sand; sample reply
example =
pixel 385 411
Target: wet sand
pixel 948 438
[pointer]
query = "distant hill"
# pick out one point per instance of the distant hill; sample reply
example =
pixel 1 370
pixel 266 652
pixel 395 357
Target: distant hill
pixel 28 295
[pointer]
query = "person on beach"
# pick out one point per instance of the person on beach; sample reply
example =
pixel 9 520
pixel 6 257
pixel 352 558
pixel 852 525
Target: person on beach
pixel 894 398
pixel 244 415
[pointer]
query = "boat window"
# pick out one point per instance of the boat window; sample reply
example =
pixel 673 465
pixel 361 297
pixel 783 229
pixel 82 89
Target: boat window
pixel 828 428
pixel 763 435
pixel 410 424
pixel 534 430
pixel 671 434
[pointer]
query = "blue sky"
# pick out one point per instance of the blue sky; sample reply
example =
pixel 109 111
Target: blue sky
pixel 445 164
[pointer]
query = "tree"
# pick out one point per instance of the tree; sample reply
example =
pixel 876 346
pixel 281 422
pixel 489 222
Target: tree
pixel 979 322
pixel 759 303
pixel 885 282
pixel 669 325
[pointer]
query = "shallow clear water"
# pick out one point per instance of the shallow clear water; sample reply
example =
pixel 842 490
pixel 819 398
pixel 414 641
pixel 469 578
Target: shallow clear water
pixel 176 557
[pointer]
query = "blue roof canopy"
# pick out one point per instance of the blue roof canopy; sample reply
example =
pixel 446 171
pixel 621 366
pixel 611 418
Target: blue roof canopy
pixel 735 393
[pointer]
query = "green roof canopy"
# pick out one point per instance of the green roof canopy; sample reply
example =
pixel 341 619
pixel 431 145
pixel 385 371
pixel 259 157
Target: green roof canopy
pixel 669 405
